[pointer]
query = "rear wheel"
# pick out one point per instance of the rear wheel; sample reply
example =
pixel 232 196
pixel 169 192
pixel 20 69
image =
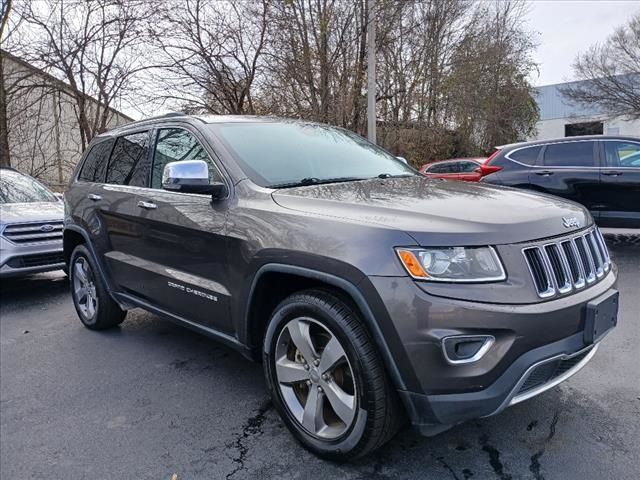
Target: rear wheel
pixel 92 301
pixel 326 378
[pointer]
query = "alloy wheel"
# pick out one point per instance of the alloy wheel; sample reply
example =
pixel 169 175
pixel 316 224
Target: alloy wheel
pixel 84 288
pixel 315 378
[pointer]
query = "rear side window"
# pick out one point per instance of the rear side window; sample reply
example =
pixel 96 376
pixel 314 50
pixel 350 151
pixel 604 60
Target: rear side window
pixel 95 164
pixel 468 167
pixel 129 163
pixel 528 155
pixel 571 154
pixel 442 168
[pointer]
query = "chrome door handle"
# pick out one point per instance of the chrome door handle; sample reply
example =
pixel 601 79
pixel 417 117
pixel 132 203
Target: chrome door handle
pixel 147 205
pixel 544 173
pixel 94 197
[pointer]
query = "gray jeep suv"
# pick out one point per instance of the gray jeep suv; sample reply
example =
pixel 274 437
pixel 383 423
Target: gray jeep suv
pixel 370 293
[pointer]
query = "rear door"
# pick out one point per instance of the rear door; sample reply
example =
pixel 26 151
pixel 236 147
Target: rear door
pixel 620 180
pixel 184 248
pixel 467 171
pixel 570 170
pixel 118 214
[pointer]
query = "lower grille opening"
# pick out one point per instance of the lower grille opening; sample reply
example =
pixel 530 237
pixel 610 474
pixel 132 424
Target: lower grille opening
pixel 550 371
pixel 36 260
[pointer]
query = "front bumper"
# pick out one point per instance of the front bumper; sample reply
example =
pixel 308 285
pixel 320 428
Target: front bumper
pixel 25 259
pixel 529 340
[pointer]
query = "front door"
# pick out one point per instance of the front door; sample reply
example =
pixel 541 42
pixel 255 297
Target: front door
pixel 620 179
pixel 184 245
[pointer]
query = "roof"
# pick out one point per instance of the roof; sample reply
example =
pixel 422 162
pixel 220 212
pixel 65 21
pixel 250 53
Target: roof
pixel 57 82
pixel 207 119
pixel 553 104
pixel 568 139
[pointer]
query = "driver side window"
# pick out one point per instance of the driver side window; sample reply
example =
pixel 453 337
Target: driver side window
pixel 176 145
pixel 622 154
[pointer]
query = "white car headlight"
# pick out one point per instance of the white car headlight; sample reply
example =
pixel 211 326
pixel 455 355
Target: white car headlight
pixel 453 264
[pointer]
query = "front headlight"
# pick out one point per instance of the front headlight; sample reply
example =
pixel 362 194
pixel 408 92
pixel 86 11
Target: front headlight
pixel 453 264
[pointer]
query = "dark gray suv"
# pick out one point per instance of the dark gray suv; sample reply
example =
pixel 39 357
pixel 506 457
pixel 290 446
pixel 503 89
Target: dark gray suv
pixel 370 293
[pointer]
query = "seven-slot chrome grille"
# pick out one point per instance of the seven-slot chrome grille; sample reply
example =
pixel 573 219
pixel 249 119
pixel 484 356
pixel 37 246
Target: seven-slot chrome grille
pixel 569 263
pixel 34 232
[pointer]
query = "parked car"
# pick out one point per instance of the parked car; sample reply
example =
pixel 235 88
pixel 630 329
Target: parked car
pixel 600 172
pixel 31 221
pixel 370 293
pixel 467 169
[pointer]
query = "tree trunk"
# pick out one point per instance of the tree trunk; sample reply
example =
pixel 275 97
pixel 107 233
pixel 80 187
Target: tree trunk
pixel 5 154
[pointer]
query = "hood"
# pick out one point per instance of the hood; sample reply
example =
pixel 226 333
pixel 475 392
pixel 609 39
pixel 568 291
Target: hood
pixel 436 212
pixel 31 212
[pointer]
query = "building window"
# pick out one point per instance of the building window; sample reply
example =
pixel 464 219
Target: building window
pixel 585 128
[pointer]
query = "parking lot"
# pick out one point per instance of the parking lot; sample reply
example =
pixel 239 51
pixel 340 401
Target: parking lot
pixel 153 400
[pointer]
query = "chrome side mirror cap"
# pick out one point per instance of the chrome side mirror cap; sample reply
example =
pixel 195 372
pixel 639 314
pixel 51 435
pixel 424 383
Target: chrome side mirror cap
pixel 403 160
pixel 191 176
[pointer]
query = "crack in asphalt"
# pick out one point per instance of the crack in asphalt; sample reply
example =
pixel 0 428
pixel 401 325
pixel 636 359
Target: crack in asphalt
pixel 494 457
pixel 252 427
pixel 447 467
pixel 534 467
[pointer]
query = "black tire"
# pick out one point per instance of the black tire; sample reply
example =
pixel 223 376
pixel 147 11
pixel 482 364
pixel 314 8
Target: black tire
pixel 378 414
pixel 106 312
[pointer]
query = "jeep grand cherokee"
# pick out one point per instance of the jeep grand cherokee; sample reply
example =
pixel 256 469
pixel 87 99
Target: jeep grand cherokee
pixel 370 293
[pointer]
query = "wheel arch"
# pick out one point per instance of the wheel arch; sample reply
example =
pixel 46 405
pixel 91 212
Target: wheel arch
pixel 73 236
pixel 274 282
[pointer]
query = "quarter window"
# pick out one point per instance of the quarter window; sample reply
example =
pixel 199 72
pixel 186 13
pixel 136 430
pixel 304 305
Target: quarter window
pixel 528 156
pixel 95 164
pixel 622 154
pixel 176 145
pixel 129 161
pixel 570 154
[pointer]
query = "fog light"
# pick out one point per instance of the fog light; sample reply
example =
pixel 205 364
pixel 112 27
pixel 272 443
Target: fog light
pixel 461 349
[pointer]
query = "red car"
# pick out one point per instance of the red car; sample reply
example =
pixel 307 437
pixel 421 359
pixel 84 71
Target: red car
pixel 467 169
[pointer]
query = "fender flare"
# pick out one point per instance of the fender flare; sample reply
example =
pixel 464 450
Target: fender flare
pixel 356 295
pixel 101 270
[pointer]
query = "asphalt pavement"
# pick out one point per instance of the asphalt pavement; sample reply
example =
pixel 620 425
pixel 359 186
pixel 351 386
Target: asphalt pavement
pixel 151 400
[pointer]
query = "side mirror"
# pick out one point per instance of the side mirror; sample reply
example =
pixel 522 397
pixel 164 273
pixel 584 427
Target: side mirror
pixel 59 196
pixel 403 160
pixel 191 176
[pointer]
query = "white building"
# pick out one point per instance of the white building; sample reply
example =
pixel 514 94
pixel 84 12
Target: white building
pixel 44 136
pixel 559 118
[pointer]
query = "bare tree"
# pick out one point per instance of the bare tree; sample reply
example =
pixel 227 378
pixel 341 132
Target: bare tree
pixel 610 73
pixel 490 95
pixel 5 154
pixel 96 47
pixel 212 53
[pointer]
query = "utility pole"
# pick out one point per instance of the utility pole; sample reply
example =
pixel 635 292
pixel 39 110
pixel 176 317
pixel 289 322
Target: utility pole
pixel 371 72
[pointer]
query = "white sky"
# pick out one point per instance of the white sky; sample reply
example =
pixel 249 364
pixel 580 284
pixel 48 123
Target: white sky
pixel 564 28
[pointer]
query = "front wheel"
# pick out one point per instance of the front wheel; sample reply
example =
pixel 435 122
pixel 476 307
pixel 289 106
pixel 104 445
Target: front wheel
pixel 92 301
pixel 326 378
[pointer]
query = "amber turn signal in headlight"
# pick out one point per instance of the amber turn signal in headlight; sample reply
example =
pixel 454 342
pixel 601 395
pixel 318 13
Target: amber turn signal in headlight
pixel 453 264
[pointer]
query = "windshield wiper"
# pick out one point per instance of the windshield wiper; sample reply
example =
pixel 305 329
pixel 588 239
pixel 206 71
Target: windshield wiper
pixel 315 181
pixel 401 175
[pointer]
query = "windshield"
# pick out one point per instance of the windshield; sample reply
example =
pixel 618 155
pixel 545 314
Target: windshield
pixel 286 154
pixel 18 188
